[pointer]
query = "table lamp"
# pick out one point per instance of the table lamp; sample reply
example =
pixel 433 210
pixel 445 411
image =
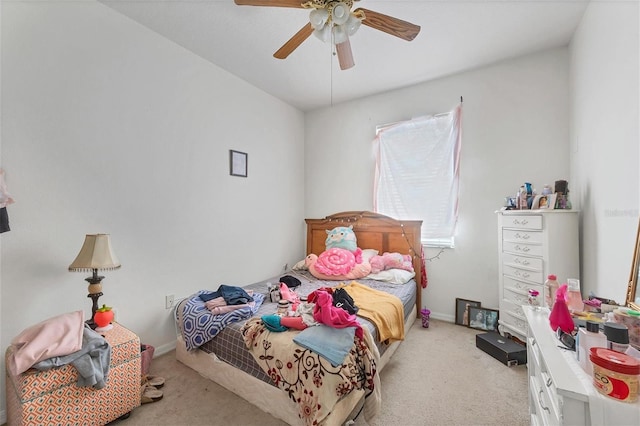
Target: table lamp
pixel 95 254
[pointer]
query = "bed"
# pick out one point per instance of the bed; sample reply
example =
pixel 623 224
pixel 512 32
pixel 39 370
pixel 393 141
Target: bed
pixel 226 360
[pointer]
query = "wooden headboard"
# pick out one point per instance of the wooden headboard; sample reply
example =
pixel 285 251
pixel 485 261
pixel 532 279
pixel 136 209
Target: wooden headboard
pixel 373 231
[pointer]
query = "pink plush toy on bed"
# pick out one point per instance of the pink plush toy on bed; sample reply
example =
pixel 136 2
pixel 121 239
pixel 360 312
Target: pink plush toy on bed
pixel 342 259
pixel 328 267
pixel 391 261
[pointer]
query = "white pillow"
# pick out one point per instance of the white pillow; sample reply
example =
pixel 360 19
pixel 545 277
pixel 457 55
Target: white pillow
pixel 300 266
pixel 393 276
pixel 367 254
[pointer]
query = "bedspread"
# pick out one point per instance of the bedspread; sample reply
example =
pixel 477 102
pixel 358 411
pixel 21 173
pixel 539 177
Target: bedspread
pixel 200 325
pixel 309 379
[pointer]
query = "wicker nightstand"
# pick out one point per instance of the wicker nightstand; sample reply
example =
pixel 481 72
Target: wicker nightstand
pixel 52 397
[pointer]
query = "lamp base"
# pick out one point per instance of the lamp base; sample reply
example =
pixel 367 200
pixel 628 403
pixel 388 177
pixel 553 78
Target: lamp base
pixel 95 291
pixel 92 325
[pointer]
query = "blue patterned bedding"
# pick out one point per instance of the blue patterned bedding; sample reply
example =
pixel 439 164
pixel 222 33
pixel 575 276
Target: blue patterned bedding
pixel 200 325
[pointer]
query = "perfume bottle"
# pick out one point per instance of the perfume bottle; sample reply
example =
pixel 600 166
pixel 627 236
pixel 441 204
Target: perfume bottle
pixel 533 299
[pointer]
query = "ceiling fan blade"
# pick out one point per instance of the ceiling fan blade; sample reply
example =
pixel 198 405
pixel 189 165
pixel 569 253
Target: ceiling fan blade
pixel 345 56
pixel 272 3
pixel 394 26
pixel 294 42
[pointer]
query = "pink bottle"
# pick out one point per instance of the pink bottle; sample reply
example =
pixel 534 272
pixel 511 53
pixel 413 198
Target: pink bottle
pixel 560 315
pixel 574 296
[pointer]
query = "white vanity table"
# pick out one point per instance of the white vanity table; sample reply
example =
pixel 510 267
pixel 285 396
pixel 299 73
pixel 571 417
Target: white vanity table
pixel 560 392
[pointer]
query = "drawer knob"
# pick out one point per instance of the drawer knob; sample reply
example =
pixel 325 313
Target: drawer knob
pixel 522 262
pixel 523 237
pixel 520 222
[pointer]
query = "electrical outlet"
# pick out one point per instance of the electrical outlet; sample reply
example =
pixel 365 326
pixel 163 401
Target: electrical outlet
pixel 168 301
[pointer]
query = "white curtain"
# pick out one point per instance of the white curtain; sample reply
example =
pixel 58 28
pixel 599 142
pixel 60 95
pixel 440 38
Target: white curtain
pixel 417 170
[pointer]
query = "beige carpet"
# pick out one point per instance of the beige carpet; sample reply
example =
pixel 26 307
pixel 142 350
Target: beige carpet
pixel 437 377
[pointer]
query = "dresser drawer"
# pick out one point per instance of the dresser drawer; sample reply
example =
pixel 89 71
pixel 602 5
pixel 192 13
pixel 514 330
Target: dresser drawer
pixel 515 309
pixel 516 297
pixel 522 236
pixel 522 248
pixel 521 286
pixel 511 314
pixel 541 402
pixel 522 262
pixel 523 222
pixel 534 277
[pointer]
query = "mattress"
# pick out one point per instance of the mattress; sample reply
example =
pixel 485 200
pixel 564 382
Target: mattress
pixel 229 346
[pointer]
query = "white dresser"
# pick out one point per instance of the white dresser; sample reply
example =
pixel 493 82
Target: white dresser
pixel 560 392
pixel 531 245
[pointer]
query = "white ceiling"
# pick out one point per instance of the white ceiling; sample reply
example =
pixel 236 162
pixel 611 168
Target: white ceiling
pixel 456 35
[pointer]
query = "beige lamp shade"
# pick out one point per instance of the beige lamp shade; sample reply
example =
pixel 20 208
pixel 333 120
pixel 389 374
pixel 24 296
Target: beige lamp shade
pixel 95 254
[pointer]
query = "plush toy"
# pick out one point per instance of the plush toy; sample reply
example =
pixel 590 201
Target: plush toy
pixel 336 272
pixel 390 261
pixel 335 261
pixel 343 237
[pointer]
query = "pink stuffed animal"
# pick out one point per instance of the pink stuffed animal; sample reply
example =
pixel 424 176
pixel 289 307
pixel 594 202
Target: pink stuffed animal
pixel 358 271
pixel 391 261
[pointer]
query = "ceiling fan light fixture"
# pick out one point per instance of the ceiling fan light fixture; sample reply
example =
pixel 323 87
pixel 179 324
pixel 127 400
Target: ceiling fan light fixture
pixel 340 13
pixel 339 34
pixel 352 24
pixel 323 33
pixel 318 17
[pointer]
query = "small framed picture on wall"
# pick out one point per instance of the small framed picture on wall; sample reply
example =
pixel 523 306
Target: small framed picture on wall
pixel 238 163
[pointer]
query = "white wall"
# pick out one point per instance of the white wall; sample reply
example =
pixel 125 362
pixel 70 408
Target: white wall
pixel 108 127
pixel 515 129
pixel 604 142
pixel 146 126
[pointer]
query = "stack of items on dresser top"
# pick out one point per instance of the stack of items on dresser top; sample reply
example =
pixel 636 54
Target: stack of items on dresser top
pixel 528 198
pixel 604 335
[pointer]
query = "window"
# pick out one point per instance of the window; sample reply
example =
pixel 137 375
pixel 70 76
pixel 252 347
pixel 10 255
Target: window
pixel 417 168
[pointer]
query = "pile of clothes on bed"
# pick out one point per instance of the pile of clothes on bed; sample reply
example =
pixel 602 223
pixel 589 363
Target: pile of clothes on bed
pixel 318 352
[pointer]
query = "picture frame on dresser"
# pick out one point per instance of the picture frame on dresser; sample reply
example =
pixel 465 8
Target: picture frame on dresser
pixel 462 310
pixel 483 318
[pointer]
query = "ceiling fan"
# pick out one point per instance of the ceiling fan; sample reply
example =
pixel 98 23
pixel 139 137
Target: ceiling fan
pixel 333 21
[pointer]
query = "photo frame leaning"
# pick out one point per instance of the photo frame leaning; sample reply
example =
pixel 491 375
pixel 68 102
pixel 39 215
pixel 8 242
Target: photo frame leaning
pixel 483 318
pixel 462 314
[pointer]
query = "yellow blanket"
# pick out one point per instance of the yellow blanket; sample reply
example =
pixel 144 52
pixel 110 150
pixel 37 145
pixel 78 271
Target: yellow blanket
pixel 383 309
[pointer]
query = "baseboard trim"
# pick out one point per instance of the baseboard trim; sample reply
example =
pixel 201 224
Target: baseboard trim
pixel 163 349
pixel 3 417
pixel 442 317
